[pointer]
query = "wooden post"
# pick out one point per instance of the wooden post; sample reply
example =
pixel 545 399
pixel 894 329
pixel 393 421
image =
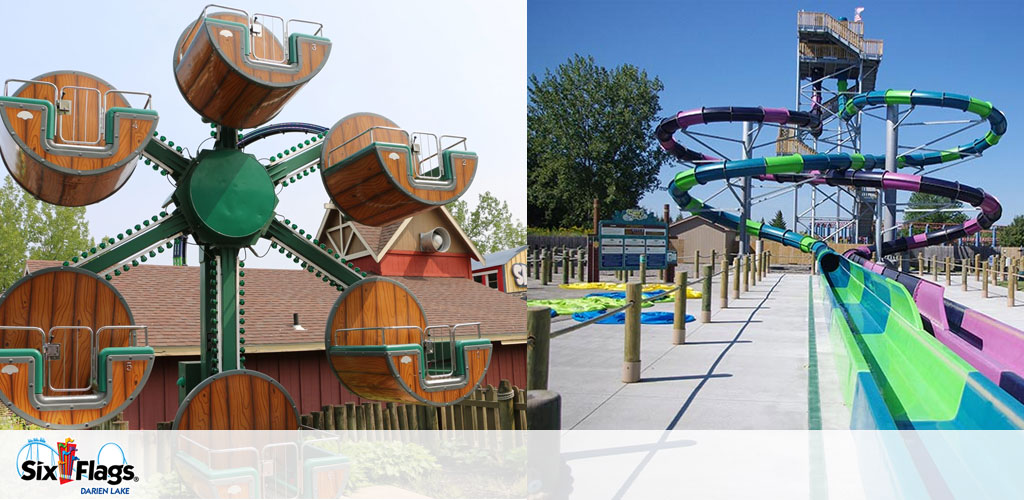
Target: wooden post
pixel 696 265
pixel 705 298
pixel 545 273
pixel 340 419
pixel 328 418
pixel 643 270
pixel 736 277
pixel 996 265
pixel 538 256
pixel 350 413
pixel 631 348
pixel 977 266
pixel 984 280
pixel 713 257
pixel 935 268
pixel 505 409
pixel 582 265
pixel 945 267
pixel 920 265
pixel 746 273
pixel 538 347
pixel 1011 286
pixel 565 266
pixel 963 274
pixel 679 318
pixel 725 283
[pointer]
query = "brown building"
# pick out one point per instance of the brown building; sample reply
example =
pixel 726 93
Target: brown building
pixel 166 300
pixel 695 233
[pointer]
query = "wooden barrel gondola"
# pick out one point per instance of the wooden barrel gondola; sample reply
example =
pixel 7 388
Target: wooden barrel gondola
pixel 372 171
pixel 237 400
pixel 70 138
pixel 376 345
pixel 234 77
pixel 68 353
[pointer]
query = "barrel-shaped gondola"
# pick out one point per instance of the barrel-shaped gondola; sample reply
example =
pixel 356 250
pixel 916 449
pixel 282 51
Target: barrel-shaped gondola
pixel 381 348
pixel 378 174
pixel 234 71
pixel 237 400
pixel 70 138
pixel 69 353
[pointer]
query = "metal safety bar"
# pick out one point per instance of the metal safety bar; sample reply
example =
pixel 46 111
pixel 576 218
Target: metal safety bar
pixel 70 107
pixel 370 131
pixel 149 98
pixel 36 82
pixel 51 356
pixel 256 30
pixel 382 329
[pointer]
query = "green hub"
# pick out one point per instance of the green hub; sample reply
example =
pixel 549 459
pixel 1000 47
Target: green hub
pixel 227 197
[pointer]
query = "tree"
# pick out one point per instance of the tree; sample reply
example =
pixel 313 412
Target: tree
pixel 1013 234
pixel 928 203
pixel 32 229
pixel 778 221
pixel 489 225
pixel 589 135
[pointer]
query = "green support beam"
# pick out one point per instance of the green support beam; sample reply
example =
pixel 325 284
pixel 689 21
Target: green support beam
pixel 305 249
pixel 163 155
pixel 164 229
pixel 280 171
pixel 222 317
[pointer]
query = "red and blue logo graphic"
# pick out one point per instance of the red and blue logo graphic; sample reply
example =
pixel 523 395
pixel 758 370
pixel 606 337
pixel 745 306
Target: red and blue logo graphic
pixel 38 461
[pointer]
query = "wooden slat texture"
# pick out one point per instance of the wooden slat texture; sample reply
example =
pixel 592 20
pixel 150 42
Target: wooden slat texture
pixel 224 84
pixel 38 174
pixel 375 186
pixel 62 297
pixel 238 400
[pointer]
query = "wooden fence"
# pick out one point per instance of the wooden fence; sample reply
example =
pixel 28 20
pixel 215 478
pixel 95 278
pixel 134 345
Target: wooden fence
pixel 487 408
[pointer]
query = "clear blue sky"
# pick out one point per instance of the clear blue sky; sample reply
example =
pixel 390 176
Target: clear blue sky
pixel 731 53
pixel 401 64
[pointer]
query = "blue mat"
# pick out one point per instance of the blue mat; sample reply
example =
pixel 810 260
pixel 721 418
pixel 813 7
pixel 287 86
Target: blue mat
pixel 621 295
pixel 647 318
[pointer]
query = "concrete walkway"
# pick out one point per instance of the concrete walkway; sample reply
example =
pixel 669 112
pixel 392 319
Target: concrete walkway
pixel 748 369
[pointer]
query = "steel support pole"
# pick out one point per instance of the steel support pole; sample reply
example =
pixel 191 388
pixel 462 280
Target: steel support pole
pixel 892 116
pixel 878 226
pixel 748 145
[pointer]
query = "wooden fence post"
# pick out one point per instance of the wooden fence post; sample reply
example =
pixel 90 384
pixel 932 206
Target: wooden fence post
pixel 679 319
pixel 977 267
pixel 565 267
pixel 753 270
pixel 935 268
pixel 643 269
pixel 724 292
pixel 713 257
pixel 963 274
pixel 631 347
pixel 746 273
pixel 545 272
pixel 581 265
pixel 538 347
pixel 736 277
pixel 537 258
pixel 504 396
pixel 945 267
pixel 984 281
pixel 705 299
pixel 696 264
pixel 920 265
pixel 1011 287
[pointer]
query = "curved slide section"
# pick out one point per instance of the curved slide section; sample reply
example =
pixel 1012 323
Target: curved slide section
pixel 899 374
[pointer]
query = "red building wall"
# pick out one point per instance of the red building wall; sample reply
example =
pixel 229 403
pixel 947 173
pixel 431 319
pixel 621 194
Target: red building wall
pixel 405 263
pixel 306 376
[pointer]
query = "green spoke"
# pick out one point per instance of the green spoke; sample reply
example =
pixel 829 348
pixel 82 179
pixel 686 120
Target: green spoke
pixel 142 241
pixel 313 253
pixel 279 172
pixel 164 156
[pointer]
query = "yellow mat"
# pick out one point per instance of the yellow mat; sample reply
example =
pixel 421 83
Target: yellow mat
pixel 651 287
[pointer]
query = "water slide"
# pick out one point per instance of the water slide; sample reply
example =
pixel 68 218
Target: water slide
pixel 913 359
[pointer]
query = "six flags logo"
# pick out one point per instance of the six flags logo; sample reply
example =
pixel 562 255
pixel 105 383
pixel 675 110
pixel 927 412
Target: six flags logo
pixel 65 466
